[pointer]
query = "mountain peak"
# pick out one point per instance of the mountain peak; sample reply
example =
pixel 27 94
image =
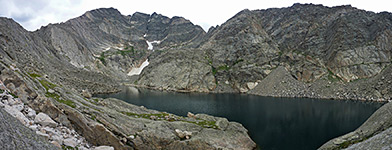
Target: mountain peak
pixel 103 12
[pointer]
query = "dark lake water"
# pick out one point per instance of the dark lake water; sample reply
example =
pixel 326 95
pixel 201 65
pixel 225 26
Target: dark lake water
pixel 273 123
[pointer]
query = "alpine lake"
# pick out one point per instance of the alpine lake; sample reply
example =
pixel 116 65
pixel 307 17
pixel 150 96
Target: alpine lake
pixel 273 123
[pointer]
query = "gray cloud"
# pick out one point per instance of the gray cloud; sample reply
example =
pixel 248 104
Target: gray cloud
pixel 22 10
pixel 32 14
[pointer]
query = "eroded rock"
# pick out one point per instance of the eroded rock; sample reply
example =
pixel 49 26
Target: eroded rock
pixel 44 120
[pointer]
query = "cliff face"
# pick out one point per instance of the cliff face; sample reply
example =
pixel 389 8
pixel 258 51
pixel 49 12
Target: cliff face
pixel 319 47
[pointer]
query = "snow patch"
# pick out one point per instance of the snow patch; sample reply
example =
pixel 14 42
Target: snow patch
pixel 150 46
pixel 138 70
pixel 118 48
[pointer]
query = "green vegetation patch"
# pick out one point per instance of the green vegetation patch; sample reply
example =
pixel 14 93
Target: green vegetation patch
pixel 127 50
pixel 34 75
pixel 332 77
pixel 168 117
pixel 58 99
pixel 213 70
pixel 102 58
pixel 123 53
pixel 47 85
pixel 68 147
pixel 13 95
pixel 348 143
pixel 67 102
pixel 238 61
pixel 146 116
pixel 224 67
pixel 93 117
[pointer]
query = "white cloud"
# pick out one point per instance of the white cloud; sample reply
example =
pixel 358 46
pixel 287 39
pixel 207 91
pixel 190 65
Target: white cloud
pixel 35 13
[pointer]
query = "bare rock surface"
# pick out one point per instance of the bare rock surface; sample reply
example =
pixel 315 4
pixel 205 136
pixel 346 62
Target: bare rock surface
pixel 14 135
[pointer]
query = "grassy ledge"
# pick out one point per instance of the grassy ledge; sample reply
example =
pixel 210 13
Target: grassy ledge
pixel 171 118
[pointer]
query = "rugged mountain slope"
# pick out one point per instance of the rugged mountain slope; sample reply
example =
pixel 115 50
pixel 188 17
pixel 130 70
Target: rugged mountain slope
pixel 319 46
pixel 50 69
pixel 119 42
pixel 171 32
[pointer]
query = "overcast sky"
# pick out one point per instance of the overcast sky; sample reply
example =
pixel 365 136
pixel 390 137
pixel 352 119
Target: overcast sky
pixel 32 14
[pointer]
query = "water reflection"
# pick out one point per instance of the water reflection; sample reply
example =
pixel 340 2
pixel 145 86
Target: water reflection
pixel 273 123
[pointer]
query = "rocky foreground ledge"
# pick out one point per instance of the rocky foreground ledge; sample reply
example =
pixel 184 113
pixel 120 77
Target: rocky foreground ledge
pixel 66 119
pixel 35 131
pixel 144 128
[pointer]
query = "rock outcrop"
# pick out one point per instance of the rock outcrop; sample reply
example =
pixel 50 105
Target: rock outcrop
pixel 14 135
pixel 187 72
pixel 369 135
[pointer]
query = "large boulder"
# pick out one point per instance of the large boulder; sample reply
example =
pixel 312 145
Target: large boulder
pixel 44 120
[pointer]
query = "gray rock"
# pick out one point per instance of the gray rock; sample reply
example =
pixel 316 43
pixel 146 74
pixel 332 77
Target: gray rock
pixel 86 94
pixel 183 134
pixel 372 131
pixel 33 127
pixel 18 107
pixel 55 143
pixel 17 114
pixel 46 136
pixel 12 101
pixel 222 123
pixel 103 148
pixel 182 67
pixel 58 138
pixel 15 135
pixel 190 115
pixel 49 130
pixel 44 120
pixel 70 142
pixel 382 141
pixel 51 91
pixel 31 113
